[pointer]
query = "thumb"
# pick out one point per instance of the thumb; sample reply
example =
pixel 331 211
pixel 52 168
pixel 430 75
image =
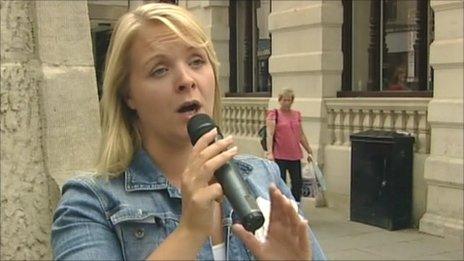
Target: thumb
pixel 247 238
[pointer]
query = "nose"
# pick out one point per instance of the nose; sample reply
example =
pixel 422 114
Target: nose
pixel 185 81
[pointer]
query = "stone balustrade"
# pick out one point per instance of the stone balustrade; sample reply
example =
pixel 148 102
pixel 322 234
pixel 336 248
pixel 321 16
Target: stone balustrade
pixel 243 117
pixel 350 115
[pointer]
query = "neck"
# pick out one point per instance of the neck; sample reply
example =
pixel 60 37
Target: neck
pixel 162 155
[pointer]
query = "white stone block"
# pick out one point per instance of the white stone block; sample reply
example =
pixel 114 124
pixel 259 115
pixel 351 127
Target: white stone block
pixel 63 32
pixel 451 24
pixel 446 112
pixel 72 132
pixel 444 170
pixel 446 141
pixel 449 83
pixel 447 53
pixel 279 6
pixel 306 62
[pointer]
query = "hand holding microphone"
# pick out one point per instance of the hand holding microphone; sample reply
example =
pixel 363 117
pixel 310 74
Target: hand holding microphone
pixel 199 194
pixel 234 187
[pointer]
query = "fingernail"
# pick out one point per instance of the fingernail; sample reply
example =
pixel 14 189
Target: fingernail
pixel 213 131
pixel 234 149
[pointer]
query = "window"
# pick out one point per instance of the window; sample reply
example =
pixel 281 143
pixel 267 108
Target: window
pixel 103 15
pixel 174 2
pixel 101 38
pixel 386 48
pixel 250 48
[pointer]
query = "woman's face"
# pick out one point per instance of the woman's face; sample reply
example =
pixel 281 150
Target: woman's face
pixel 402 76
pixel 169 82
pixel 286 102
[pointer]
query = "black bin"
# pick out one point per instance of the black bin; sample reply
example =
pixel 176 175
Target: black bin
pixel 381 179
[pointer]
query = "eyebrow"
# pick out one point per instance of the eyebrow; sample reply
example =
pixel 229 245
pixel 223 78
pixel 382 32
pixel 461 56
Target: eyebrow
pixel 156 56
pixel 160 56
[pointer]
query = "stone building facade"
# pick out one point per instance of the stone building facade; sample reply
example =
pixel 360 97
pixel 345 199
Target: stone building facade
pixel 49 116
pixel 49 101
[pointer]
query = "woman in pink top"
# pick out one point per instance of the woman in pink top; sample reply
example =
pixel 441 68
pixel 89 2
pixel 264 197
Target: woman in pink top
pixel 284 139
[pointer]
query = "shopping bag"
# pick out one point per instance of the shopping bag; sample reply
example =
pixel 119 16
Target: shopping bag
pixel 307 172
pixel 314 183
pixel 319 177
pixel 321 186
pixel 309 185
pixel 308 188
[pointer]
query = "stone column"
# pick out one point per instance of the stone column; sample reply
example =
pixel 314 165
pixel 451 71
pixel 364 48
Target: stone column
pixel 25 204
pixel 214 17
pixel 444 166
pixel 306 57
pixel 69 90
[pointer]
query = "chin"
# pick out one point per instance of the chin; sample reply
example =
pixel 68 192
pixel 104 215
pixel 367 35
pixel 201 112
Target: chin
pixel 182 137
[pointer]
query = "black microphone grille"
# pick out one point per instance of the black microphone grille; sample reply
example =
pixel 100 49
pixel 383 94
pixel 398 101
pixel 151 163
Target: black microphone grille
pixel 198 125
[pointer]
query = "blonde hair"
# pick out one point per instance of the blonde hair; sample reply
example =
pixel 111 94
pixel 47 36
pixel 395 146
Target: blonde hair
pixel 286 93
pixel 396 75
pixel 120 136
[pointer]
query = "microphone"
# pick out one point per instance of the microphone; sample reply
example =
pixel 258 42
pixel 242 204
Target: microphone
pixel 235 188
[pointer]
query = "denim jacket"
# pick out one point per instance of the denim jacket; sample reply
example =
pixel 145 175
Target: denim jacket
pixel 126 218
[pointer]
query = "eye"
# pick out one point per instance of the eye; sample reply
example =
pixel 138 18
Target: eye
pixel 159 72
pixel 197 62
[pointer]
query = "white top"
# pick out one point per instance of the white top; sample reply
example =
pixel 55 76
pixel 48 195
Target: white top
pixel 219 251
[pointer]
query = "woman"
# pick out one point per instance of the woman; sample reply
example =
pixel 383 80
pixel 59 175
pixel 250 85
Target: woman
pixel 398 80
pixel 154 196
pixel 284 139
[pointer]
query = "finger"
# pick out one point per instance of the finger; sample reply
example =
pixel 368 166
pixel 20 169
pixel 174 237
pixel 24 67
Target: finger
pixel 215 148
pixel 214 181
pixel 293 216
pixel 277 205
pixel 196 161
pixel 208 194
pixel 204 141
pixel 278 215
pixel 274 208
pixel 207 169
pixel 291 220
pixel 247 238
pixel 219 160
pixel 303 235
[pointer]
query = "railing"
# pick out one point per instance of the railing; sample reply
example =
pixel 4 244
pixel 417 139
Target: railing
pixel 350 115
pixel 242 117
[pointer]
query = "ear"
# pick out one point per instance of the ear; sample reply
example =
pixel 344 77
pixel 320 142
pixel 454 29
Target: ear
pixel 129 100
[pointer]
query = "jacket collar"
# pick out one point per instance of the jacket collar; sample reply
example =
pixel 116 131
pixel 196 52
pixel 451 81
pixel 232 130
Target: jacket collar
pixel 143 174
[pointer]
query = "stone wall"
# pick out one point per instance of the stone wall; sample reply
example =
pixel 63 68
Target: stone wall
pixel 306 57
pixel 444 168
pixel 69 92
pixel 49 118
pixel 25 200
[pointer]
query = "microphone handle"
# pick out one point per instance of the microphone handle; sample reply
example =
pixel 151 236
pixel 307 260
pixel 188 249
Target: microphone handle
pixel 239 196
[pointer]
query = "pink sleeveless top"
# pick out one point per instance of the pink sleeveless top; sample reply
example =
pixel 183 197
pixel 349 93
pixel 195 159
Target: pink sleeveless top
pixel 287 134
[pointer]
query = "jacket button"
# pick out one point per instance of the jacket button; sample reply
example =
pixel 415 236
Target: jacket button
pixel 139 233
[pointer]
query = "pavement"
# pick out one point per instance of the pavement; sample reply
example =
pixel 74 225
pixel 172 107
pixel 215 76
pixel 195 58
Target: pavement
pixel 342 239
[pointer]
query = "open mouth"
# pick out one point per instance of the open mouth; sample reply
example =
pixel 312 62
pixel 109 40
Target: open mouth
pixel 189 107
